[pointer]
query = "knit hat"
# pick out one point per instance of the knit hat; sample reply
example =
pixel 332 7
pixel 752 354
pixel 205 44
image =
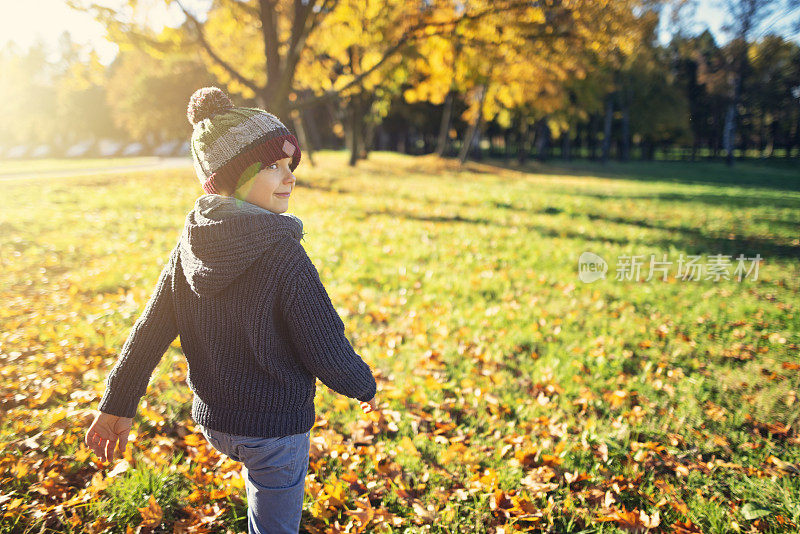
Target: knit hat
pixel 231 144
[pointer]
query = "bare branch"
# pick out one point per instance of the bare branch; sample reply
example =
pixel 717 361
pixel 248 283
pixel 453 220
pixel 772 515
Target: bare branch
pixel 224 64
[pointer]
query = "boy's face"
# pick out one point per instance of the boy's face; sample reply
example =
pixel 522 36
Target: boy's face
pixel 270 187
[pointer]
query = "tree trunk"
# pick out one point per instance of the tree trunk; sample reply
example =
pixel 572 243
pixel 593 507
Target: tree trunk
pixel 522 145
pixel 592 133
pixel 366 127
pixel 651 150
pixel 475 149
pixel 384 139
pixel 565 146
pixel 402 141
pixel 607 127
pixel 626 130
pixel 443 142
pixel 473 128
pixel 355 127
pixel 367 124
pixel 796 136
pixel 542 139
pixel 312 132
pixel 771 132
pixel 306 148
pixel 793 137
pixel 338 113
pixel 444 127
pixel 369 139
pixel 729 132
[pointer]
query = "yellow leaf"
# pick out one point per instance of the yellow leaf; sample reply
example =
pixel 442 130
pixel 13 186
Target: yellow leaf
pixel 407 445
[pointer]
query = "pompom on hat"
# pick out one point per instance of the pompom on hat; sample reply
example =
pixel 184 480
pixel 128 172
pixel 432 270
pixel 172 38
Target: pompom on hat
pixel 228 140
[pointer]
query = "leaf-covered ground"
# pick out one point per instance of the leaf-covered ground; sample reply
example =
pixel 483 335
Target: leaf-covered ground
pixel 513 396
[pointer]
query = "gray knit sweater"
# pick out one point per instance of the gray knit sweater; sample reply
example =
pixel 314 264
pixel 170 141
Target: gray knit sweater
pixel 255 322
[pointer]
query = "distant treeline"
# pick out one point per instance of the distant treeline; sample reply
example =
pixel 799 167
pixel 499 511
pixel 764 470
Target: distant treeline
pixel 471 95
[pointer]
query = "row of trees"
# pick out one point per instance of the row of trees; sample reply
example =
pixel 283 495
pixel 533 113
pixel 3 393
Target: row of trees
pixel 71 100
pixel 581 77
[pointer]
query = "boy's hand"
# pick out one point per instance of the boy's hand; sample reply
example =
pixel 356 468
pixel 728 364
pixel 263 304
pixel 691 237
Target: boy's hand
pixel 369 406
pixel 107 432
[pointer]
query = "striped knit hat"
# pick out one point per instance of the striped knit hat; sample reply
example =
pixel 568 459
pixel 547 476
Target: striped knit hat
pixel 231 144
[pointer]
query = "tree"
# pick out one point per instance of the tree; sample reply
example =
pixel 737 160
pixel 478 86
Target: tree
pixel 55 103
pixel 274 37
pixel 361 51
pixel 29 103
pixel 698 65
pixel 348 44
pixel 773 106
pixel 148 96
pixel 81 95
pixel 516 63
pixel 745 17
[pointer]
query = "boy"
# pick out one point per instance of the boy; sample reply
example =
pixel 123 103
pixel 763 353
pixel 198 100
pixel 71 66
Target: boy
pixel 256 324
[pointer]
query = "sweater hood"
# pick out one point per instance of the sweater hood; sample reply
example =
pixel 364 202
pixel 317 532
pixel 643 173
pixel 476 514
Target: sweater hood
pixel 223 236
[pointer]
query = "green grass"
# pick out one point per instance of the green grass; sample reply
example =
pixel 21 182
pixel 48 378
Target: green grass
pixel 774 174
pixel 672 396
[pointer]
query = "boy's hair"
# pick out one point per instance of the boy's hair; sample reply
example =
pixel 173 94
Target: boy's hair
pixel 229 140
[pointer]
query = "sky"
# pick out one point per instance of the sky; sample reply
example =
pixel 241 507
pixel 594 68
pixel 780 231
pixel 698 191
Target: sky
pixel 26 21
pixel 711 14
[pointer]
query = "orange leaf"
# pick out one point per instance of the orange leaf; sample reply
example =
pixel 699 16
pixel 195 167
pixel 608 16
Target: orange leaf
pixel 151 514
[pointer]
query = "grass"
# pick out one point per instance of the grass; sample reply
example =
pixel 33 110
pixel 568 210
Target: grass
pixel 16 166
pixel 520 397
pixel 774 174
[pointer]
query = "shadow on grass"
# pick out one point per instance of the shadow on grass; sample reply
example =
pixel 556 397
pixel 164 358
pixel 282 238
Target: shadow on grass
pixel 777 174
pixel 695 239
pixel 732 201
pixel 690 240
pixel 792 224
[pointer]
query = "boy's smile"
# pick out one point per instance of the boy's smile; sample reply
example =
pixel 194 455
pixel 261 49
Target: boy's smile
pixel 270 188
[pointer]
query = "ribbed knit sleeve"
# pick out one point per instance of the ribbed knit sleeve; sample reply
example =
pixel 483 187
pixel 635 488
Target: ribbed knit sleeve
pixel 151 335
pixel 317 331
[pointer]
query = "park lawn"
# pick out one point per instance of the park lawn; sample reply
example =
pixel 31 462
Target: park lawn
pixel 513 395
pixel 19 166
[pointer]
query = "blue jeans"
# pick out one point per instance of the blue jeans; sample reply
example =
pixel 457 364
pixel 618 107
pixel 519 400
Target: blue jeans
pixel 274 470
